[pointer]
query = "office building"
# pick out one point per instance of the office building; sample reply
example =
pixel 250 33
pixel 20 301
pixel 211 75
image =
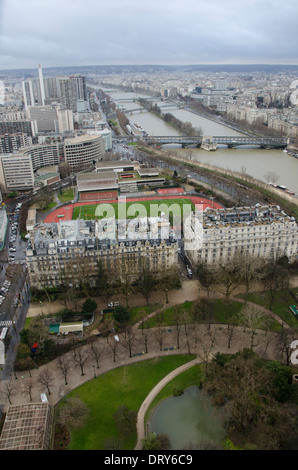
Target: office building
pixel 83 152
pixel 46 118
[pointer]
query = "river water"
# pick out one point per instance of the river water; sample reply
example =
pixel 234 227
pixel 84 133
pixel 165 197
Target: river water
pixel 187 418
pixel 251 160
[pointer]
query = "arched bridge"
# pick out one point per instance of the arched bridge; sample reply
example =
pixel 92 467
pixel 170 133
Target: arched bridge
pixel 230 141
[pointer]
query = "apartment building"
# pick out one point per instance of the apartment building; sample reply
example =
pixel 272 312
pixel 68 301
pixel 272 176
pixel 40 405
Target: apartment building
pixel 17 169
pixel 83 152
pixel 69 252
pixel 261 231
pixel 13 142
pixel 16 172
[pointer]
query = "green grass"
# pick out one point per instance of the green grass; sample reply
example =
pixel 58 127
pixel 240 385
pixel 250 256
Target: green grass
pixel 221 311
pixel 133 209
pixel 50 206
pixel 280 305
pixel 67 195
pixel 128 385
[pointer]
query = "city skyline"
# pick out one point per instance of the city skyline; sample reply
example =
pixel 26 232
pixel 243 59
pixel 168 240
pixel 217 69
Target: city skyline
pixel 165 32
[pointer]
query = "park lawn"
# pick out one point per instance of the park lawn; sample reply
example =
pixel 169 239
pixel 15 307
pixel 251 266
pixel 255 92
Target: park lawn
pixel 133 209
pixel 67 195
pixel 280 305
pixel 127 385
pixel 135 313
pixel 221 312
pixel 50 206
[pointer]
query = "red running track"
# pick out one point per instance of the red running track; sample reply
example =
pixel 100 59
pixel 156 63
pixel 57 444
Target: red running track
pixel 67 211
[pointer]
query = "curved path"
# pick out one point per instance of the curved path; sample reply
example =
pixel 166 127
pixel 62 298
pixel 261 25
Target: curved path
pixel 150 397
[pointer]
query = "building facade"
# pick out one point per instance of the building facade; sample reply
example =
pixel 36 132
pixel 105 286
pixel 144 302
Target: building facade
pixel 16 172
pixel 260 231
pixel 83 152
pixel 68 253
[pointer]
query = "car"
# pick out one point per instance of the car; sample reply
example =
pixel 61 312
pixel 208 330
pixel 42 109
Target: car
pixel 116 337
pixel 12 250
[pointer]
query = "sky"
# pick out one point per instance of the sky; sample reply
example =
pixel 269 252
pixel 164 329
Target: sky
pixel 162 32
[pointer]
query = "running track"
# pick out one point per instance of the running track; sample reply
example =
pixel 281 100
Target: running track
pixel 67 211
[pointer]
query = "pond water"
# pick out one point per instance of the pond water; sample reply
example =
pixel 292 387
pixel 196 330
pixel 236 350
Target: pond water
pixel 187 418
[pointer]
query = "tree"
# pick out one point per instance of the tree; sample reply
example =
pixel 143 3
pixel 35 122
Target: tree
pixel 89 306
pixel 8 390
pixel 275 277
pixel 252 317
pixel 64 364
pixel 28 386
pixel 96 350
pixel 45 378
pixel 128 341
pixel 167 280
pixel 121 315
pixel 80 357
pixel 206 276
pixel 146 282
pixel 73 412
pixel 228 276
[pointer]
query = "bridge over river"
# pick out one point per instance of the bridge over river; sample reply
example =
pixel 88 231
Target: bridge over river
pixel 232 141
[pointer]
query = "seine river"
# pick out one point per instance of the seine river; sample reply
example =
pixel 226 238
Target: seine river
pixel 253 160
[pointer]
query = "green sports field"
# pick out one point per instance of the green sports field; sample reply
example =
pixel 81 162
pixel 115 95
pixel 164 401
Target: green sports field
pixel 130 210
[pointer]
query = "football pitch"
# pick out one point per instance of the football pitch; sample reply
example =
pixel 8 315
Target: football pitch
pixel 131 209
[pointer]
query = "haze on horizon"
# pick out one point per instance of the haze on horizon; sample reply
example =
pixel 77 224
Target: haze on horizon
pixel 161 32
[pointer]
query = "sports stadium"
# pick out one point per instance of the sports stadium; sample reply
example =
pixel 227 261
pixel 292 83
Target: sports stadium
pixel 110 203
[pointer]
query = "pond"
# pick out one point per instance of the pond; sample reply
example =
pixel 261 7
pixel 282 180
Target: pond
pixel 187 418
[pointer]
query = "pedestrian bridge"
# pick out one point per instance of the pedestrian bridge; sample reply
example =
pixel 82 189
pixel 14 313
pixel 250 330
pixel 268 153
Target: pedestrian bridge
pixel 230 141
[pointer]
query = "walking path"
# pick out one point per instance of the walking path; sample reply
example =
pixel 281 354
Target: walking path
pixel 150 397
pixel 58 389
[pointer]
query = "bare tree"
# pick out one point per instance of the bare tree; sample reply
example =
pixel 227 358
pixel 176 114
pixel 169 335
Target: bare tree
pixel 8 390
pixel 283 342
pixel 64 364
pixel 252 317
pixel 28 386
pixel 229 331
pixel 96 350
pixel 80 357
pixel 45 378
pixel 159 331
pixel 114 349
pixel 129 340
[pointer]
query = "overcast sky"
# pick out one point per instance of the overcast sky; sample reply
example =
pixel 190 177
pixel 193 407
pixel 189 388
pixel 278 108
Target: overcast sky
pixel 100 32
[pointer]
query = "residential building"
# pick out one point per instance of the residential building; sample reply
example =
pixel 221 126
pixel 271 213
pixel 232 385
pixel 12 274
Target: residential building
pixel 260 231
pixel 17 169
pixel 13 142
pixel 69 252
pixel 72 91
pixel 16 172
pixel 65 120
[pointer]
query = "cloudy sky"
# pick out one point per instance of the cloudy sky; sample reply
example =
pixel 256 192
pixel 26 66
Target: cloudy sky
pixel 100 32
